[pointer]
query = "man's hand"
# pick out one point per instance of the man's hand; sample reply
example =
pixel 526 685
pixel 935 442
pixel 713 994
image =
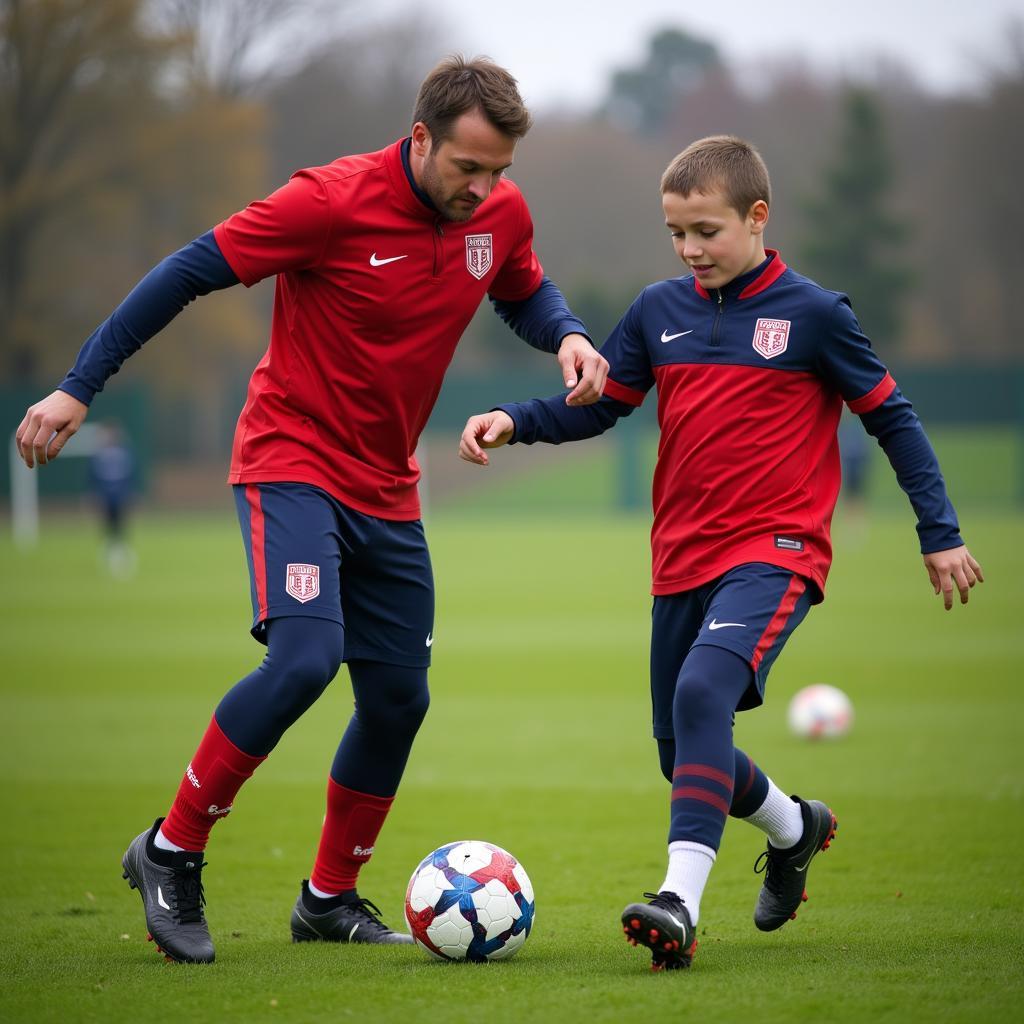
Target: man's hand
pixel 954 567
pixel 47 426
pixel 584 369
pixel 488 430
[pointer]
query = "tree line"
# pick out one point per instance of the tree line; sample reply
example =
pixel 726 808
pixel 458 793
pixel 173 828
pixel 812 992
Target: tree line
pixel 129 127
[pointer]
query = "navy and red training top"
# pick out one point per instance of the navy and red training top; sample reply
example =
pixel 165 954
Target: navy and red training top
pixel 751 379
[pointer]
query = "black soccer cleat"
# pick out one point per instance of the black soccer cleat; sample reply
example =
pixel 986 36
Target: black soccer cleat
pixel 172 898
pixel 785 871
pixel 663 926
pixel 357 920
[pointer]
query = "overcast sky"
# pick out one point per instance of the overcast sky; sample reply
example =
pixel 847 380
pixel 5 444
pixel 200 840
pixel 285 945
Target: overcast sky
pixel 563 52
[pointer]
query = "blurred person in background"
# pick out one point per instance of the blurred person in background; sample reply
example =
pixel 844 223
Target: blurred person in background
pixel 381 260
pixel 113 483
pixel 752 363
pixel 855 460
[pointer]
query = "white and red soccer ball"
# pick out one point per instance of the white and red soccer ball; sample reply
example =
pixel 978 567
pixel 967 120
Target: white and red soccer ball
pixel 820 712
pixel 470 900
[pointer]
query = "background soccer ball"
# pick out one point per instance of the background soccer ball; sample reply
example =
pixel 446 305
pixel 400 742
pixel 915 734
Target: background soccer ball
pixel 470 900
pixel 820 712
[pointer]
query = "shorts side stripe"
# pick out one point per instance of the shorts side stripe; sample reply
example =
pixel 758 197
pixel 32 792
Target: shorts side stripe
pixel 778 621
pixel 259 554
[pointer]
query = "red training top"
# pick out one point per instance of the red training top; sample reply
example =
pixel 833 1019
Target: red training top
pixel 374 290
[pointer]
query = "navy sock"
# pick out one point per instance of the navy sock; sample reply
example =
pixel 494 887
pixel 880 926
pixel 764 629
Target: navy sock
pixel 751 786
pixel 303 656
pixel 710 684
pixel 391 701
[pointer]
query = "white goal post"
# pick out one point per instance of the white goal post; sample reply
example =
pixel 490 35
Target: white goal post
pixel 25 484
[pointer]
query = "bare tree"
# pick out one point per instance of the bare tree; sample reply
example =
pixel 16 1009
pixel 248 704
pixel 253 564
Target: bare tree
pixel 240 46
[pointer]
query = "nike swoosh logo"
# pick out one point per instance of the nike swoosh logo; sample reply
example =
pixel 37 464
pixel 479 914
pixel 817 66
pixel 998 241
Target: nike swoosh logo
pixel 665 336
pixel 160 898
pixel 355 928
pixel 430 639
pixel 806 865
pixel 715 624
pixel 374 262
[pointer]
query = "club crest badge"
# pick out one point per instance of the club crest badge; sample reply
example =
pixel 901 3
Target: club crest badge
pixel 303 581
pixel 771 337
pixel 479 254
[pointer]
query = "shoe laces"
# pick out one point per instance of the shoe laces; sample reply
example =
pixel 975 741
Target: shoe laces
pixel 766 864
pixel 190 897
pixel 369 910
pixel 665 900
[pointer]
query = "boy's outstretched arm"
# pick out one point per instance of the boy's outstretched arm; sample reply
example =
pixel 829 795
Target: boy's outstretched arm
pixel 950 566
pixel 540 419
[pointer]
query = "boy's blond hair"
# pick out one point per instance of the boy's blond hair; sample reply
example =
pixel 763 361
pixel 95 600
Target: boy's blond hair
pixel 722 162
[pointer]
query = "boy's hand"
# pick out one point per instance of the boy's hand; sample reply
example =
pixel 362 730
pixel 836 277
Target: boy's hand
pixel 954 567
pixel 488 430
pixel 584 370
pixel 47 426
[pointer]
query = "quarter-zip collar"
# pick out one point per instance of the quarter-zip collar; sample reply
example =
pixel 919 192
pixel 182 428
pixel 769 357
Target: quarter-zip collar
pixel 408 195
pixel 753 281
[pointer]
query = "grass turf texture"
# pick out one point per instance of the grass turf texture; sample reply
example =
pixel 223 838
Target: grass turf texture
pixel 538 740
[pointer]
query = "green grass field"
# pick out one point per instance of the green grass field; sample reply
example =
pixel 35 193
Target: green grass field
pixel 538 740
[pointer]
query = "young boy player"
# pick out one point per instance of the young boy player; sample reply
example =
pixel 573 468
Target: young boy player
pixel 752 363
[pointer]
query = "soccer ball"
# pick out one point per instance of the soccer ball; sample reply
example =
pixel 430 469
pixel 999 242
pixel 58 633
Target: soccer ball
pixel 470 900
pixel 820 712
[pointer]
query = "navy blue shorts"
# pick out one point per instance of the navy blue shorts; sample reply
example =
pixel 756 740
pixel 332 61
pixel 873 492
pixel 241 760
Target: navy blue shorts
pixel 750 610
pixel 311 555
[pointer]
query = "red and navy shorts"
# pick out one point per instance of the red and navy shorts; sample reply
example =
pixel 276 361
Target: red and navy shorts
pixel 310 555
pixel 750 610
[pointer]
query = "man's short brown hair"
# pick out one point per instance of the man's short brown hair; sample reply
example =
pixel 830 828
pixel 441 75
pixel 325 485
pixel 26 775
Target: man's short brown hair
pixel 722 162
pixel 457 86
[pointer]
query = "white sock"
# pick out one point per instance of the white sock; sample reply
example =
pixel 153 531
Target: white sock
pixel 779 816
pixel 161 842
pixel 689 865
pixel 319 893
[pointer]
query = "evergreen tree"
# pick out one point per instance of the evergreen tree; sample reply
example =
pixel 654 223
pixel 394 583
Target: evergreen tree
pixel 643 98
pixel 852 242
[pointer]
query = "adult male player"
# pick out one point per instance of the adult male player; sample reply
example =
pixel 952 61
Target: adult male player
pixel 381 260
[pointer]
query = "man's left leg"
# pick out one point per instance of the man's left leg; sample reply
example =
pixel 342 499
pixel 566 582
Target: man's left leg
pixel 387 595
pixel 391 701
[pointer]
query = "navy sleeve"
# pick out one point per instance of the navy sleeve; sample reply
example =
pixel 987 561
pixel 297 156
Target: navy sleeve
pixel 900 434
pixel 846 359
pixel 197 269
pixel 552 421
pixel 629 379
pixel 543 319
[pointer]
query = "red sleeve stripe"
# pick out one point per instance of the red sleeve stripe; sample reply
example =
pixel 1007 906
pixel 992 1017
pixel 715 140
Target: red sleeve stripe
pixel 623 394
pixel 875 397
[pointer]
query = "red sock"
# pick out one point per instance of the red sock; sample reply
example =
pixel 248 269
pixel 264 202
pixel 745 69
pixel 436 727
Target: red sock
pixel 350 831
pixel 206 793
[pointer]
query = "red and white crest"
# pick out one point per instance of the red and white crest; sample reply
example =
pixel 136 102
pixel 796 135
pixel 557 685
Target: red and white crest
pixel 303 581
pixel 479 254
pixel 771 337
